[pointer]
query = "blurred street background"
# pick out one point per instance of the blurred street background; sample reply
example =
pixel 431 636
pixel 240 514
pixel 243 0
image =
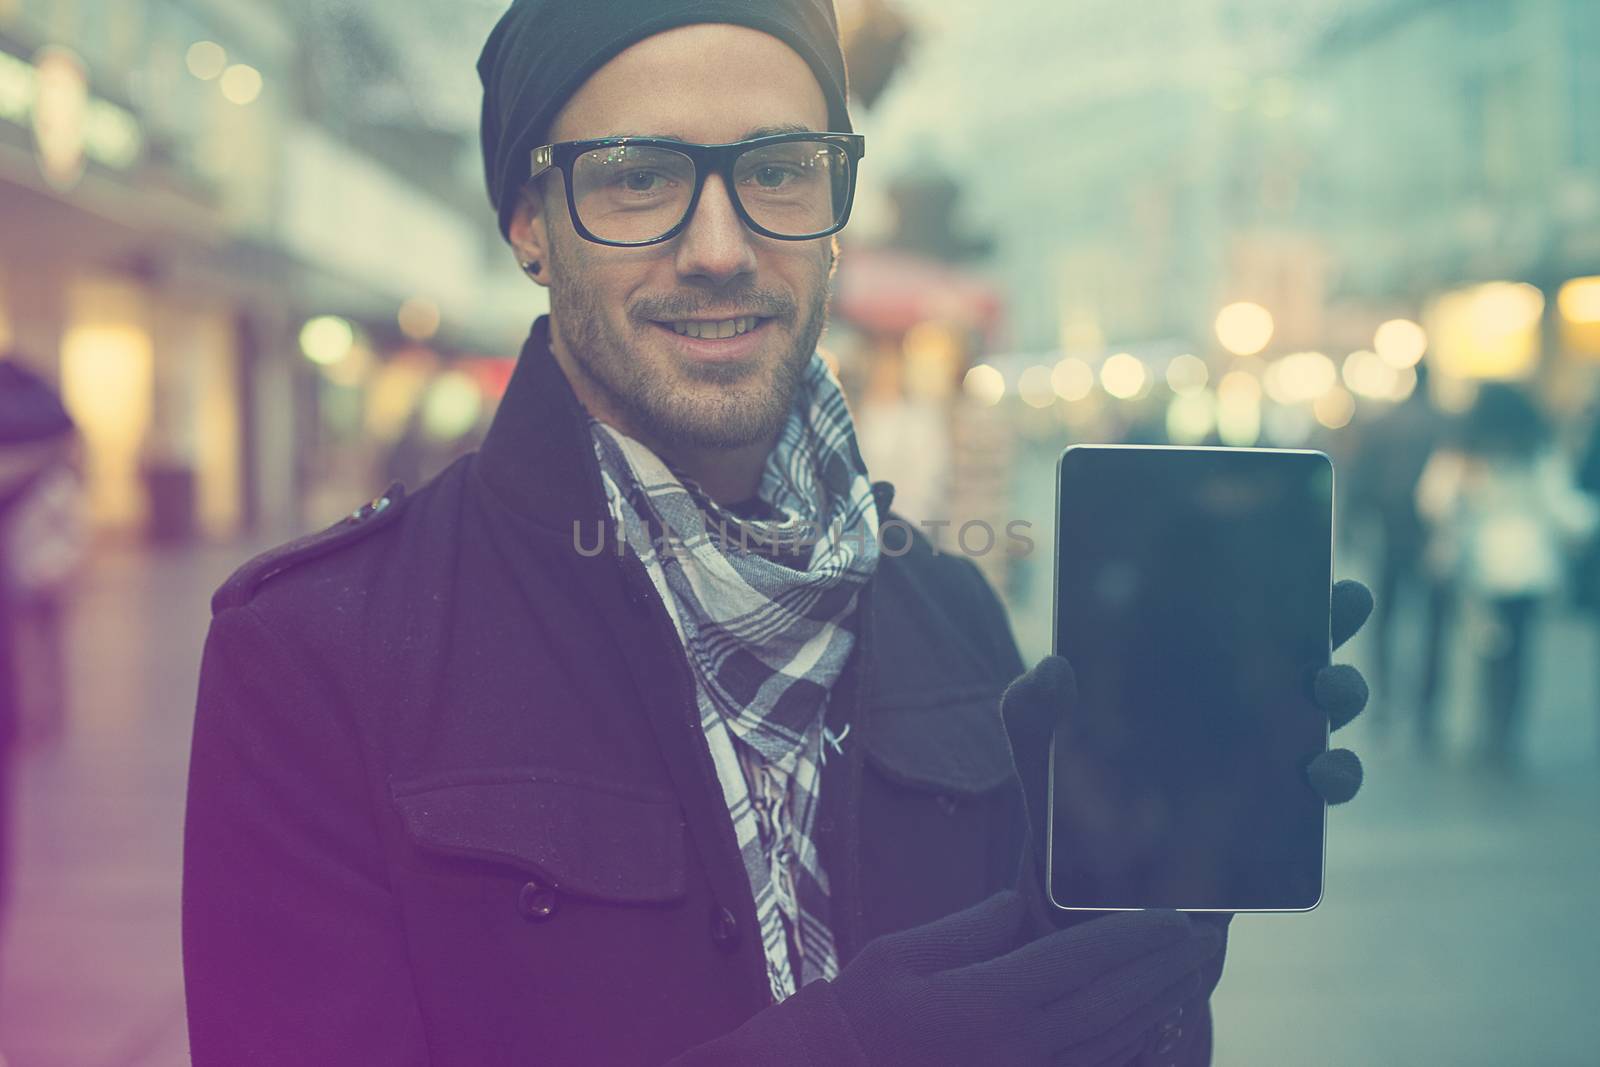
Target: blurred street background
pixel 246 244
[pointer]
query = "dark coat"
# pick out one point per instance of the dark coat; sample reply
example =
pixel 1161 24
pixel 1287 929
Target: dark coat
pixel 449 802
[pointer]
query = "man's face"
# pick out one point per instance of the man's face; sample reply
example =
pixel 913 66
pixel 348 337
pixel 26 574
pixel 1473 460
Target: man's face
pixel 614 310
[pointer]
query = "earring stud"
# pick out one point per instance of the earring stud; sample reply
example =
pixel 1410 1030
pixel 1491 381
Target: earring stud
pixel 530 267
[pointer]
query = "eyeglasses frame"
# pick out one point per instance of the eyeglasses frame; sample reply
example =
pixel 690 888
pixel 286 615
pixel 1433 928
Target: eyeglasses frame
pixel 707 159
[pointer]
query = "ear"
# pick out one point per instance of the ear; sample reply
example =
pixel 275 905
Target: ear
pixel 530 238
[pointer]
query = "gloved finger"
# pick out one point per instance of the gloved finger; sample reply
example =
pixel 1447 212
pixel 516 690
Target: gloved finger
pixel 1341 691
pixel 984 931
pixel 1035 703
pixel 1123 1045
pixel 1054 965
pixel 1128 1001
pixel 1352 603
pixel 1031 708
pixel 1335 775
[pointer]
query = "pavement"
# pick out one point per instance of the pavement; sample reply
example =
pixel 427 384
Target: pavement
pixel 90 968
pixel 1455 928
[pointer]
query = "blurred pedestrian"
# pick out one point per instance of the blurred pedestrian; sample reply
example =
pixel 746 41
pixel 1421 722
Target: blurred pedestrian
pixel 36 437
pixel 1586 575
pixel 1387 466
pixel 1505 514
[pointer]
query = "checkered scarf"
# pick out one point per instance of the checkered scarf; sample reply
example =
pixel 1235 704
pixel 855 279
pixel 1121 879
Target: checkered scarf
pixel 764 641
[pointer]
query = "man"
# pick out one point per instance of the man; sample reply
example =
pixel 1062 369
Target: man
pixel 540 765
pixel 1389 459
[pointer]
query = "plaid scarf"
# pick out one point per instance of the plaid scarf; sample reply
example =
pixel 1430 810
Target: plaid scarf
pixel 764 641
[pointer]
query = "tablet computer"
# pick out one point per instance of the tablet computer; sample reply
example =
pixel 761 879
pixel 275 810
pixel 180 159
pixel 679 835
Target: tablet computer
pixel 1192 598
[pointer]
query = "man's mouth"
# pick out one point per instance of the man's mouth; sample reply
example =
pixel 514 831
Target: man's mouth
pixel 713 329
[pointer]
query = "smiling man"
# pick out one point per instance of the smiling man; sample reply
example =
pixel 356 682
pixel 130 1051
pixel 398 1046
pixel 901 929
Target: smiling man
pixel 466 792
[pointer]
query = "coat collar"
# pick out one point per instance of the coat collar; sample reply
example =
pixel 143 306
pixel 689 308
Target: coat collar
pixel 537 457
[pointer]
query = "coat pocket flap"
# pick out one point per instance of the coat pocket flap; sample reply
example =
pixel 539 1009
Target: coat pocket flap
pixel 600 840
pixel 949 743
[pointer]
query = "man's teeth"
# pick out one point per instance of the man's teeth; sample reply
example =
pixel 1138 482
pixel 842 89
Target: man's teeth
pixel 725 328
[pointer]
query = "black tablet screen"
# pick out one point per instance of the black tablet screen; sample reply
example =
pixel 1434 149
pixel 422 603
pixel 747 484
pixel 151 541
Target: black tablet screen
pixel 1192 600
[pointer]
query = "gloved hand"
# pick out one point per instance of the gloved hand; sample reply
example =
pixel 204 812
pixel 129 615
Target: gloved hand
pixel 958 991
pixel 1037 702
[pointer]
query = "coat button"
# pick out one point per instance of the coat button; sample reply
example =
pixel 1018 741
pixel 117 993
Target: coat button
pixel 724 929
pixel 536 902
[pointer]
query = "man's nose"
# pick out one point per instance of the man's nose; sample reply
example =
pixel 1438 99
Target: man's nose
pixel 716 245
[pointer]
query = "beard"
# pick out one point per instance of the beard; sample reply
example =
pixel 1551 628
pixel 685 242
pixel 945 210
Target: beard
pixel 670 402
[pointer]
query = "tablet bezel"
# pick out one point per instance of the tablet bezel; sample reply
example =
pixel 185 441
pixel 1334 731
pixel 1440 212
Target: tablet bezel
pixel 1055 625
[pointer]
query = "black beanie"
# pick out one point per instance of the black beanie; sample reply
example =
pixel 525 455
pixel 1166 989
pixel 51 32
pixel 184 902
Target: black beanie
pixel 541 51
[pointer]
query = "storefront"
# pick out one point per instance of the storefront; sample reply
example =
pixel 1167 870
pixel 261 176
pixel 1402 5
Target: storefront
pixel 98 290
pixel 142 283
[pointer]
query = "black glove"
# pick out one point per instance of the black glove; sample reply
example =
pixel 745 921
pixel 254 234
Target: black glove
pixel 958 991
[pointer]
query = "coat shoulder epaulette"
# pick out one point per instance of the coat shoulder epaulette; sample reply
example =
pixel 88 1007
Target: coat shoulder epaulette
pixel 359 524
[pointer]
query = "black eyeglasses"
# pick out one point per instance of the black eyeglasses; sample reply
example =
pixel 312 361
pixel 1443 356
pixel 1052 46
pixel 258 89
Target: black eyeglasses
pixel 632 191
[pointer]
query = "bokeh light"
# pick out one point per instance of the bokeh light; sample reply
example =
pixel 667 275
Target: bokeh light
pixel 1072 378
pixel 418 318
pixel 1300 376
pixel 1187 374
pixel 106 375
pixel 1239 409
pixel 1122 376
pixel 205 59
pixel 1368 374
pixel 1191 416
pixel 1506 307
pixel 1579 300
pixel 241 84
pixel 984 384
pixel 1035 389
pixel 1488 331
pixel 1244 328
pixel 326 339
pixel 1334 409
pixel 451 406
pixel 1400 342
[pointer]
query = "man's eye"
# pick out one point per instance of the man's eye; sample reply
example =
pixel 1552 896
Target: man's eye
pixel 641 181
pixel 773 176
